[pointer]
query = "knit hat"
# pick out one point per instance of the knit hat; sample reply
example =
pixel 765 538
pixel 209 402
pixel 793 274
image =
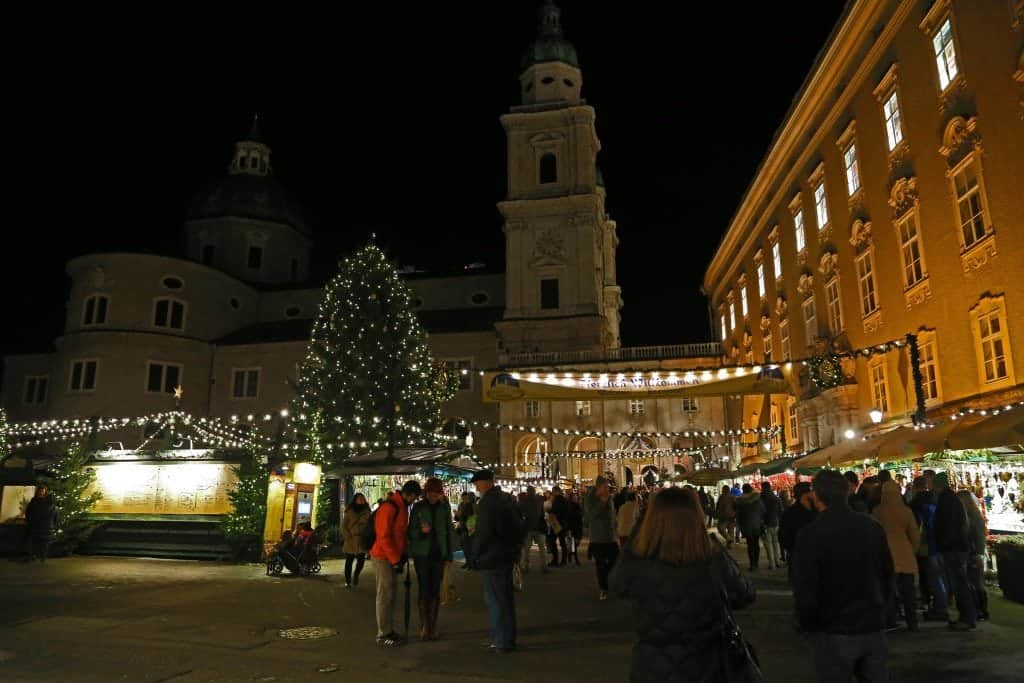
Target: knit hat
pixel 412 487
pixel 433 485
pixel 941 481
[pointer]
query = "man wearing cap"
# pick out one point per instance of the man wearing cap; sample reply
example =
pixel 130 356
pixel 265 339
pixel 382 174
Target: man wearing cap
pixel 496 544
pixel 391 523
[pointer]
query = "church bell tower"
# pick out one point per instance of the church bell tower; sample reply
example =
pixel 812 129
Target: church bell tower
pixel 561 288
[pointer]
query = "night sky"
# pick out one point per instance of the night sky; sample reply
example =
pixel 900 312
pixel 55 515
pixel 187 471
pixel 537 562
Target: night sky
pixel 383 118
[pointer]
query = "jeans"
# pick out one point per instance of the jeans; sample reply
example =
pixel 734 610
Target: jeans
pixel 753 548
pixel 533 537
pixel 359 560
pixel 956 570
pixel 499 596
pixel 559 538
pixel 839 656
pixel 937 586
pixel 771 546
pixel 428 578
pixel 387 590
pixel 904 589
pixel 976 575
pixel 605 555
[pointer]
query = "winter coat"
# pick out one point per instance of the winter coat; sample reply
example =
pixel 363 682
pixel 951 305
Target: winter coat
pixel 793 520
pixel 976 531
pixel 679 614
pixel 950 524
pixel 498 535
pixel 40 517
pixel 842 574
pixel 560 510
pixel 439 517
pixel 599 518
pixel 923 507
pixel 726 508
pixel 352 525
pixel 750 514
pixel 627 517
pixel 575 519
pixel 390 525
pixel 533 514
pixel 901 530
pixel 772 509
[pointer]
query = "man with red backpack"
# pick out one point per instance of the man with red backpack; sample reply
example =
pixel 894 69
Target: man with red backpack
pixel 389 553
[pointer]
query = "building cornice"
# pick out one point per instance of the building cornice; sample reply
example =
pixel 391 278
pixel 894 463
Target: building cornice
pixel 793 145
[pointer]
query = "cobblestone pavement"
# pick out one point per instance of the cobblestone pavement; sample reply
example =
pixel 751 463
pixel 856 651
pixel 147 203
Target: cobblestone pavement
pixel 106 619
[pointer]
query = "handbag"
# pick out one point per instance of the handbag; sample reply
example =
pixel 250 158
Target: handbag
pixel 739 660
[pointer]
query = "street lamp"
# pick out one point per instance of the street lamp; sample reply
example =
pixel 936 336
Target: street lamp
pixel 849 434
pixel 876 415
pixel 469 440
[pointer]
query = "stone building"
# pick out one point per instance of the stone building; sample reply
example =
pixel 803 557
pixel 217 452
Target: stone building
pixel 888 204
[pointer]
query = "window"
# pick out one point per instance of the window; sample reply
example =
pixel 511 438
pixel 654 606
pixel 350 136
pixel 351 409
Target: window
pixel 993 346
pixel 95 312
pixel 636 407
pixel 245 382
pixel 866 278
pixel 725 331
pixel 835 306
pixel 548 169
pixel 794 425
pixel 852 170
pixel 910 250
pixel 821 205
pixel 162 378
pixel 787 351
pixel 777 260
pixel 35 390
pixel 583 408
pixel 533 409
pixel 970 203
pixel 767 340
pixel 208 252
pixel 255 257
pixel 169 313
pixel 171 282
pixel 549 293
pixel 810 320
pixel 880 386
pixel 893 120
pixel 929 368
pixel 690 405
pixel 732 315
pixel 743 301
pixel 798 223
pixel 945 54
pixel 464 367
pixel 762 291
pixel 83 375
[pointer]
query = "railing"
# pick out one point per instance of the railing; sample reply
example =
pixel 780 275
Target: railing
pixel 630 353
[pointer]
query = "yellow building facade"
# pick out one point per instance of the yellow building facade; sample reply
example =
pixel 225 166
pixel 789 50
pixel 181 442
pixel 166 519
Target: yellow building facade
pixel 889 204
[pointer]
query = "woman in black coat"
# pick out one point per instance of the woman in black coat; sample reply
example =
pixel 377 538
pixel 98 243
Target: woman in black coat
pixel 675 575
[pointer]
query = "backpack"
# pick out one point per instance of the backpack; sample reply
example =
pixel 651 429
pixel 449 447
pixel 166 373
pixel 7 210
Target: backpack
pixel 369 535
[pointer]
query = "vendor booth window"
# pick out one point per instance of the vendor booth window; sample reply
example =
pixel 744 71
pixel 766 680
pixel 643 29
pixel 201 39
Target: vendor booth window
pixel 35 390
pixel 162 378
pixel 245 383
pixel 83 375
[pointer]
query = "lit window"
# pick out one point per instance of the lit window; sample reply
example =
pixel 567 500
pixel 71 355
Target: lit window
pixel 880 386
pixel 893 120
pixel 777 260
pixel 732 315
pixel 245 383
pixel 743 301
pixel 910 250
pixel 463 368
pixel 794 426
pixel 993 346
pixel 95 310
pixel 583 408
pixel 35 390
pixel 970 203
pixel 821 205
pixel 725 332
pixel 835 306
pixel 83 375
pixel 798 223
pixel 929 369
pixel 767 345
pixel 162 378
pixel 636 407
pixel 866 278
pixel 810 320
pixel 762 291
pixel 533 409
pixel 690 405
pixel 787 352
pixel 945 54
pixel 169 313
pixel 852 169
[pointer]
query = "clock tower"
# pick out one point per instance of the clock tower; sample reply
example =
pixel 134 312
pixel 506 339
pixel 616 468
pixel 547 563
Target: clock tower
pixel 561 289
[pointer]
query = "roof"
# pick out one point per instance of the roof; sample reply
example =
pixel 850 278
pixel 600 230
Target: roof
pixel 550 45
pixel 243 195
pixel 412 461
pixel 299 329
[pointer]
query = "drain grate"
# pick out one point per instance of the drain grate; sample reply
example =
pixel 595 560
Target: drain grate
pixel 307 633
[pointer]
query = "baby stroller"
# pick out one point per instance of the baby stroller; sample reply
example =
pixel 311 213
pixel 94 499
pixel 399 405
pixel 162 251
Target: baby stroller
pixel 298 552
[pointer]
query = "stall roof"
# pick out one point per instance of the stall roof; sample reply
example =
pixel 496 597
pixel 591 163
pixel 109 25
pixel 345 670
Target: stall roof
pixel 407 461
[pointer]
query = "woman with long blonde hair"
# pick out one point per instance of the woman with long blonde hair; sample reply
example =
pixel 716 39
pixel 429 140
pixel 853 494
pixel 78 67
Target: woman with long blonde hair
pixel 676 576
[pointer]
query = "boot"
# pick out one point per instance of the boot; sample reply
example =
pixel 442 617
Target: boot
pixel 434 610
pixel 424 619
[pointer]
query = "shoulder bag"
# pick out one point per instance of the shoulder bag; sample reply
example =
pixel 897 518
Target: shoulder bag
pixel 739 661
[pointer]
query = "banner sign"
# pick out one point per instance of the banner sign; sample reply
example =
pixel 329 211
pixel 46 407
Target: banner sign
pixel 612 386
pixel 164 488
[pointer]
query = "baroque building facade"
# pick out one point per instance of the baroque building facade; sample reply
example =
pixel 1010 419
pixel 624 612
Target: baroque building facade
pixel 888 204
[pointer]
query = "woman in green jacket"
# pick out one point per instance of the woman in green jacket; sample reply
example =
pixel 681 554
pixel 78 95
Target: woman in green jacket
pixel 431 541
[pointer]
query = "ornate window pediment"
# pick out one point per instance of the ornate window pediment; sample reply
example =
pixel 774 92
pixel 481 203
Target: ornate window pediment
pixel 806 284
pixel 860 234
pixel 773 234
pixel 903 196
pixel 748 339
pixel 766 322
pixel 758 256
pixel 959 139
pixel 828 265
pixel 781 307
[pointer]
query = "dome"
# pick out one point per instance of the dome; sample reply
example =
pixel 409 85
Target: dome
pixel 550 45
pixel 259 197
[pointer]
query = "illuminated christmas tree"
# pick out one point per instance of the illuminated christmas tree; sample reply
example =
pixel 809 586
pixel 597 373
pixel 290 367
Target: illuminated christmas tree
pixel 69 482
pixel 369 381
pixel 5 447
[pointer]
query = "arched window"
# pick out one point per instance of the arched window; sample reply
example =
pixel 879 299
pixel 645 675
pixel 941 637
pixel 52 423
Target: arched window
pixel 548 169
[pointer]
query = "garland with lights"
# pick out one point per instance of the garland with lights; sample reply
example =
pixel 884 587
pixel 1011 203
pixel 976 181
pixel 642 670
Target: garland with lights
pixel 826 371
pixel 5 447
pixel 589 432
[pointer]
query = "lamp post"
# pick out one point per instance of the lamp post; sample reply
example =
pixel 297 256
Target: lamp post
pixel 876 415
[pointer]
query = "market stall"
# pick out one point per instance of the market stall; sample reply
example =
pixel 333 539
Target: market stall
pixel 375 475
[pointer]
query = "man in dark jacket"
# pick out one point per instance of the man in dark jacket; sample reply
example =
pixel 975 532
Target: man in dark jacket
pixel 855 502
pixel 842 576
pixel 772 514
pixel 750 515
pixel 535 528
pixel 953 543
pixel 40 520
pixel 560 513
pixel 799 515
pixel 496 544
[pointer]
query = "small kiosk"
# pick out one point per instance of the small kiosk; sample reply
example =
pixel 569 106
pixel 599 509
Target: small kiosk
pixel 291 499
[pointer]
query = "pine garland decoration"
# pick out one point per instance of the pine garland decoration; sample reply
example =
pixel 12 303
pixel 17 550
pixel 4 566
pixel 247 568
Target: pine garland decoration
pixel 69 482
